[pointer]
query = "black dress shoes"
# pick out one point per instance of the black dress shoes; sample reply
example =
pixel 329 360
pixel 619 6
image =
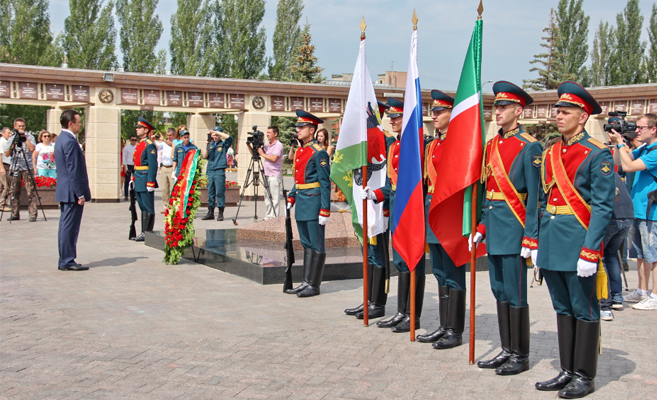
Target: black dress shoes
pixel 74 267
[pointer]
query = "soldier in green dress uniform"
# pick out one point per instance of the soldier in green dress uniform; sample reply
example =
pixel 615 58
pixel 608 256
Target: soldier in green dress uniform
pixel 146 170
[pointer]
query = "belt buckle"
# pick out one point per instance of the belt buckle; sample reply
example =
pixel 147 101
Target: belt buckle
pixel 552 209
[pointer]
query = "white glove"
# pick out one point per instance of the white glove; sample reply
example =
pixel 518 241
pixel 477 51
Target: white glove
pixel 323 220
pixel 131 185
pixel 474 239
pixel 533 256
pixel 386 222
pixel 367 194
pixel 525 252
pixel 289 206
pixel 586 268
pixel 150 189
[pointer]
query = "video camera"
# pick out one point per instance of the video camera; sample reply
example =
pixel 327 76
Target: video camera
pixel 19 138
pixel 256 139
pixel 623 127
pixel 294 140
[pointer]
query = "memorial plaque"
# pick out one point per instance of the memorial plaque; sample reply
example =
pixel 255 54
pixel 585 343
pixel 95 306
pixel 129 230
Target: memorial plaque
pixel 277 103
pixel 542 111
pixel 146 108
pixel 236 101
pixel 653 106
pixel 216 100
pixel 604 107
pixel 128 96
pixel 195 99
pixel 80 93
pixel 487 114
pixel 174 98
pixel 55 92
pixel 553 112
pixel 335 105
pixel 620 105
pixel 426 109
pixel 527 112
pixel 316 105
pixel 296 103
pixel 152 97
pixel 28 90
pixel 637 107
pixel 5 89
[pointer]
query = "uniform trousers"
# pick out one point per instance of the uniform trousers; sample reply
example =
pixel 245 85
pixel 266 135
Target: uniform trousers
pixel 445 271
pixel 402 266
pixel 216 188
pixel 311 234
pixel 377 252
pixel 573 295
pixel 508 277
pixel 146 201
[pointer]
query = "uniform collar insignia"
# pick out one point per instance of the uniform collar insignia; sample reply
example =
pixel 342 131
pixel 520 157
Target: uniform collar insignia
pixel 576 138
pixel 442 136
pixel 510 133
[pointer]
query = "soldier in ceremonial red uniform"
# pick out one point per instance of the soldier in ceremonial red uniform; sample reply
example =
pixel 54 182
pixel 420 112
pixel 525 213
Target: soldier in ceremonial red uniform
pixel 509 222
pixel 577 176
pixel 146 170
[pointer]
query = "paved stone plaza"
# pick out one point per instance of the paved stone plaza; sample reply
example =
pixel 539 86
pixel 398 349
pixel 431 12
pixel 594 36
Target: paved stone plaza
pixel 132 327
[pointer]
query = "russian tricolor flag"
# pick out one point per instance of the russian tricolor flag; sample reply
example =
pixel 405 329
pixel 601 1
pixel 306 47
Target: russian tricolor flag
pixel 409 209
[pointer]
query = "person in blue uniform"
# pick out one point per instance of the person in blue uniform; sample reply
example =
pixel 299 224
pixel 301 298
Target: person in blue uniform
pixel 401 321
pixel 310 194
pixel 215 153
pixel 509 222
pixel 451 278
pixel 576 203
pixel 145 158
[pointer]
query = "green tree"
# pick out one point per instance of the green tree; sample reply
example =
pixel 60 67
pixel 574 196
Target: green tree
pixel 650 61
pixel 602 51
pixel 238 39
pixel 286 39
pixel 89 36
pixel 140 33
pixel 573 31
pixel 306 68
pixel 191 38
pixel 626 68
pixel 550 62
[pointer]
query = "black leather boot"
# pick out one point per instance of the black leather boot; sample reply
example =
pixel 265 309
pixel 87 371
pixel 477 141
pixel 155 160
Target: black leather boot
pixel 308 256
pixel 210 215
pixel 144 222
pixel 359 309
pixel 404 281
pixel 443 315
pixel 378 295
pixel 586 357
pixel 405 324
pixel 566 337
pixel 150 222
pixel 220 213
pixel 519 341
pixel 503 331
pixel 456 315
pixel 317 270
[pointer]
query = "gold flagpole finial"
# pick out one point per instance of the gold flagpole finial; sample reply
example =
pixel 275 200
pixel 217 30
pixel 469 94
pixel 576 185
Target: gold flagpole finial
pixel 480 9
pixel 363 28
pixel 415 20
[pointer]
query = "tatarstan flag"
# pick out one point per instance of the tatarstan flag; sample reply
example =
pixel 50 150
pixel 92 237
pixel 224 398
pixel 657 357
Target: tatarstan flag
pixel 450 210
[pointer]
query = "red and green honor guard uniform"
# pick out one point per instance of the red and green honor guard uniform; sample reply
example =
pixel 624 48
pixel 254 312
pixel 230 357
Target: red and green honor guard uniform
pixel 311 197
pixel 400 322
pixel 576 203
pixel 509 223
pixel 145 158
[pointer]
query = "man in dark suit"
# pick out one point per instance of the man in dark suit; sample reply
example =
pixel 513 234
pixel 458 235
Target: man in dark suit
pixel 72 189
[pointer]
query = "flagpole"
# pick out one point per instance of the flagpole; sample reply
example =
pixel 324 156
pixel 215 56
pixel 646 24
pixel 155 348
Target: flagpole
pixel 412 292
pixel 474 203
pixel 364 174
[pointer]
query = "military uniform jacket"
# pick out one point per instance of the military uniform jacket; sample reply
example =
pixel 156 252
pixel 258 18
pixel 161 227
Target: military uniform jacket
pixel 180 153
pixel 562 237
pixel 386 193
pixel 217 154
pixel 519 154
pixel 145 158
pixel 312 186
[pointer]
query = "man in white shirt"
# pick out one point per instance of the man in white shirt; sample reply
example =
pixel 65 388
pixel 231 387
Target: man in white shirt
pixel 166 166
pixel 4 169
pixel 129 163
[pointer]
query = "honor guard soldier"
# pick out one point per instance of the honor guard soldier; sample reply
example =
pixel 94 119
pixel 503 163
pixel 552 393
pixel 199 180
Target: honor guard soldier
pixel 311 195
pixel 378 255
pixel 576 203
pixel 401 321
pixel 146 170
pixel 509 222
pixel 450 277
pixel 216 171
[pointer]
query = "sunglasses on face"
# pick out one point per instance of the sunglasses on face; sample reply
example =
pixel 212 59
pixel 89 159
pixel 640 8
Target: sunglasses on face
pixel 46 136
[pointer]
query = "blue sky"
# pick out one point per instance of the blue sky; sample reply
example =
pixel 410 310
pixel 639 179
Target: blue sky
pixel 512 33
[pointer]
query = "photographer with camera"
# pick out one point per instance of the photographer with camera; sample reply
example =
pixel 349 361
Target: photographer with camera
pixel 215 153
pixel 642 237
pixel 272 152
pixel 20 147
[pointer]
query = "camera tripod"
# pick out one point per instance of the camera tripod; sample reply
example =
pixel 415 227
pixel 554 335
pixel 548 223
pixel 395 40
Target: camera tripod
pixel 255 169
pixel 14 179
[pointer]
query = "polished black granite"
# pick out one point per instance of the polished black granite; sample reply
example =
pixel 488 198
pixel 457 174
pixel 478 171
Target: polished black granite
pixel 265 261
